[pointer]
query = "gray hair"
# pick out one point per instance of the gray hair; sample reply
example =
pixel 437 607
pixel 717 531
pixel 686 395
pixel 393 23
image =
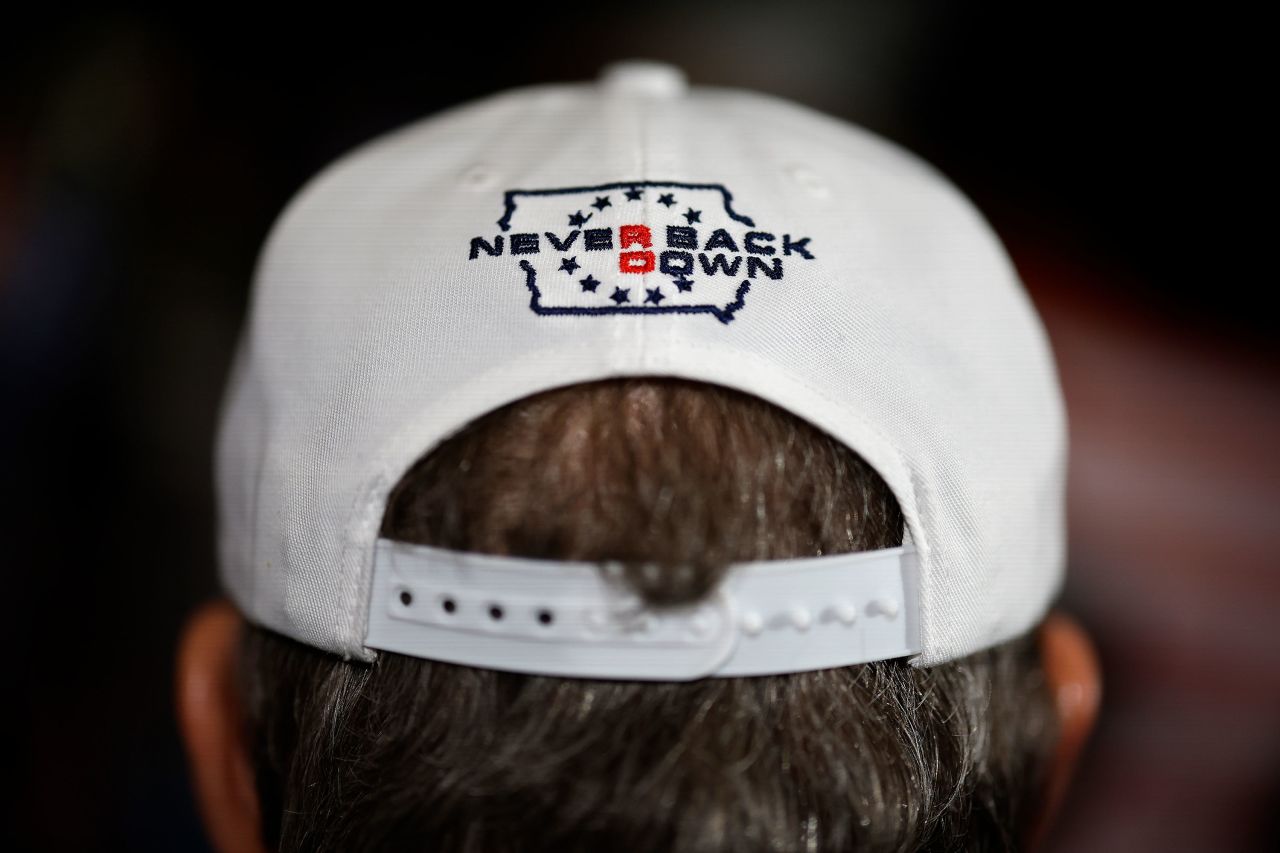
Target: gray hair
pixel 409 753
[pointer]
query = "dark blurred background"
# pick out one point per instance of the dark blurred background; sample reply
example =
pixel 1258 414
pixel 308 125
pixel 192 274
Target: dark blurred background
pixel 143 158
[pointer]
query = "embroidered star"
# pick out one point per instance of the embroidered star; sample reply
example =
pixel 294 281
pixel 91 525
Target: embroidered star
pixel 569 264
pixel 589 283
pixel 693 216
pixel 577 220
pixel 601 202
pixel 620 295
pixel 683 284
pixel 655 295
pixel 667 198
pixel 634 194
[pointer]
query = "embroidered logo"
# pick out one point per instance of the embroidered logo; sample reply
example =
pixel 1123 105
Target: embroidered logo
pixel 643 247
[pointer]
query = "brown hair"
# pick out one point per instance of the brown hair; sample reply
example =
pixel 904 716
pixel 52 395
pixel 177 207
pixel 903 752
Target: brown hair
pixel 415 754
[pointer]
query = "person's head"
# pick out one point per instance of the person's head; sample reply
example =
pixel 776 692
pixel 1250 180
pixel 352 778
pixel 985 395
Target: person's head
pixel 621 466
pixel 297 747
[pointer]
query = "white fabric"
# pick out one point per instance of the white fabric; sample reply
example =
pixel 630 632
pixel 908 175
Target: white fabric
pixel 373 334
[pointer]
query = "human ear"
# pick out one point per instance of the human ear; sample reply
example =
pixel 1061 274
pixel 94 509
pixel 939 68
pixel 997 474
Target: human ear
pixel 1074 680
pixel 209 715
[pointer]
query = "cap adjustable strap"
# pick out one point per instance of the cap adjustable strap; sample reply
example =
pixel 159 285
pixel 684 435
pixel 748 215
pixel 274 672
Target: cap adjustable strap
pixel 569 619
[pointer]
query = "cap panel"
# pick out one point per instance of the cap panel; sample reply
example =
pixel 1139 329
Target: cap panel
pixel 912 316
pixel 364 305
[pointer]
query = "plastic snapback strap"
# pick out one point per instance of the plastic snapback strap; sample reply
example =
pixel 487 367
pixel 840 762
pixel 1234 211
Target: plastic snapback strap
pixel 569 619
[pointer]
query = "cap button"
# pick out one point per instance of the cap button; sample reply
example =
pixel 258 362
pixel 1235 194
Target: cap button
pixel 643 77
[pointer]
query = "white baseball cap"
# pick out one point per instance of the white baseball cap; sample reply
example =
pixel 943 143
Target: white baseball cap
pixel 556 234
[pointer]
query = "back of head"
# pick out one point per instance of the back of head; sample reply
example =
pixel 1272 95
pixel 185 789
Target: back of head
pixel 579 346
pixel 677 480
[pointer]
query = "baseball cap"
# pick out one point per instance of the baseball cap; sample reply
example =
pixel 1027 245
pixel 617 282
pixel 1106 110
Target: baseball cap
pixel 636 225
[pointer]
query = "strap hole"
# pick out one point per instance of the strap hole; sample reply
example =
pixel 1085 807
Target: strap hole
pixel 449 605
pixel 545 617
pixel 495 612
pixel 406 597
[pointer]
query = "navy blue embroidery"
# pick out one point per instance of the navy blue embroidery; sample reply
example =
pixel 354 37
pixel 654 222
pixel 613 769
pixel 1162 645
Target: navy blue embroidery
pixel 773 269
pixel 719 262
pixel 479 243
pixel 597 239
pixel 682 237
pixel 797 246
pixel 524 244
pixel 675 262
pixel 624 243
pixel 752 243
pixel 668 199
pixel 737 302
pixel 722 313
pixel 720 239
pixel 561 245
